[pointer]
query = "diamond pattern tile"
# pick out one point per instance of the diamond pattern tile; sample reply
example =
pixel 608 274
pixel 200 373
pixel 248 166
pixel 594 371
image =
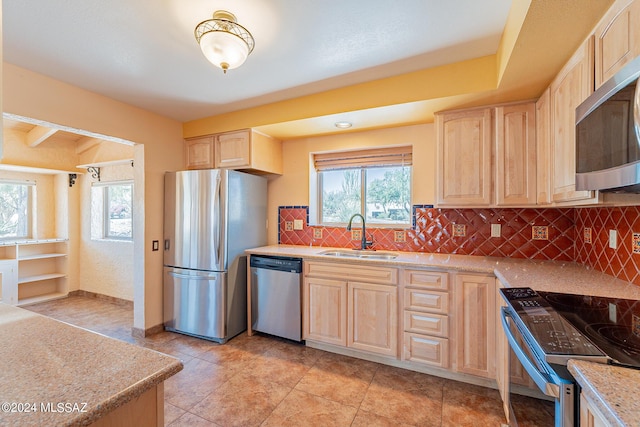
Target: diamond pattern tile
pixel 434 232
pixel 622 262
pixel 579 234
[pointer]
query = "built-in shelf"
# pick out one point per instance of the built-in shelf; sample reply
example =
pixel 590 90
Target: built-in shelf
pixel 40 278
pixel 42 298
pixel 33 270
pixel 107 163
pixel 41 256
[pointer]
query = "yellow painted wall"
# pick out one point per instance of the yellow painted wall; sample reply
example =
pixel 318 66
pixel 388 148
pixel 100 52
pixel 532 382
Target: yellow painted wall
pixel 106 265
pixel 292 188
pixel 33 95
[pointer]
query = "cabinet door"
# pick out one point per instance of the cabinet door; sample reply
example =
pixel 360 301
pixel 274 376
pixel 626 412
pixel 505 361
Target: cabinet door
pixel 543 149
pixel 475 308
pixel 590 416
pixel 572 86
pixel 515 155
pixel 617 39
pixel 464 158
pixel 199 153
pixel 325 311
pixel 373 318
pixel 502 357
pixel 233 149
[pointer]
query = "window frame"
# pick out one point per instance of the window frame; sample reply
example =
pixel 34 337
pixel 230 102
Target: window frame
pixel 105 229
pixel 31 208
pixel 363 197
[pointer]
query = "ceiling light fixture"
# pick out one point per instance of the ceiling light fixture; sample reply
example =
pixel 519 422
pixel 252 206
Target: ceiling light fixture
pixel 224 42
pixel 343 125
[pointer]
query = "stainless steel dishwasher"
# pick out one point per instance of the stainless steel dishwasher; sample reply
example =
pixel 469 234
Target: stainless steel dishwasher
pixel 276 296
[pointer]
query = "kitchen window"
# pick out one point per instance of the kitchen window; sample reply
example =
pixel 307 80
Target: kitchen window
pixel 374 183
pixel 112 210
pixel 16 209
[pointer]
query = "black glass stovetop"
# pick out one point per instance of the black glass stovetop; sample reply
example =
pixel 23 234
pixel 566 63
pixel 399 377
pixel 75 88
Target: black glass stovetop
pixel 612 324
pixel 578 325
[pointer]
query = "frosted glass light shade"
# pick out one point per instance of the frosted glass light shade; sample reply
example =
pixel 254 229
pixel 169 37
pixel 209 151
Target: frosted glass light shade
pixel 224 42
pixel 224 50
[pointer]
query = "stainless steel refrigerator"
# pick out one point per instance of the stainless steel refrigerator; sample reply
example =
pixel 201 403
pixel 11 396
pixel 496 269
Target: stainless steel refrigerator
pixel 211 217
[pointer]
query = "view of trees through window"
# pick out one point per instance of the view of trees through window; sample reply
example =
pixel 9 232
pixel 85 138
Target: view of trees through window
pixel 382 195
pixel 111 210
pixel 118 223
pixel 14 210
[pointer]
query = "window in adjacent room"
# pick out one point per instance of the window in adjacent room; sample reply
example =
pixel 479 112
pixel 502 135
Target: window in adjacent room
pixel 16 209
pixel 375 183
pixel 112 210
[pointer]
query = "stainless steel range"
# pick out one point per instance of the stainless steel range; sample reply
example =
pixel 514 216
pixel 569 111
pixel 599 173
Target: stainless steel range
pixel 554 328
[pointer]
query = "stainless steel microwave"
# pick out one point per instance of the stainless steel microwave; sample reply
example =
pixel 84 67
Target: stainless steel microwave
pixel 608 134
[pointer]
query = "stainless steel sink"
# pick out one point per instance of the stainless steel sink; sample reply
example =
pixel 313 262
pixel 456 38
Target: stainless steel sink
pixel 350 253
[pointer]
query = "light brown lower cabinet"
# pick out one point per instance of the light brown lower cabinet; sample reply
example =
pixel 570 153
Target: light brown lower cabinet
pixel 426 318
pixel 341 308
pixel 590 416
pixel 474 310
pixel 427 350
pixel 372 318
pixel 325 308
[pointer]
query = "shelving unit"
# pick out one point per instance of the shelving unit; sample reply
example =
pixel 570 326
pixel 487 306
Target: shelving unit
pixel 33 271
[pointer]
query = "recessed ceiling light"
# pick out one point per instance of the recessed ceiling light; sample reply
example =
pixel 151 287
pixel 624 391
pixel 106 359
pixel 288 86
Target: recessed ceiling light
pixel 343 125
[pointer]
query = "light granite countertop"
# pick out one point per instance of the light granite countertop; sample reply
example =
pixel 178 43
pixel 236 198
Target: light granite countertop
pixel 44 361
pixel 552 276
pixel 614 388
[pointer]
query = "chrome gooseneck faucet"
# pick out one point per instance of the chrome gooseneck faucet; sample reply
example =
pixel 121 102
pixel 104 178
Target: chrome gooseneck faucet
pixel 365 243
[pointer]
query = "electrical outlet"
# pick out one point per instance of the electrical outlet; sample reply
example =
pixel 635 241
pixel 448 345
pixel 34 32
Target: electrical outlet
pixel 155 245
pixel 613 239
pixel 496 230
pixel 297 224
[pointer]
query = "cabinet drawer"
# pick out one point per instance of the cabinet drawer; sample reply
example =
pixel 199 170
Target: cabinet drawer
pixel 427 350
pixel 426 323
pixel 426 279
pixel 353 272
pixel 432 301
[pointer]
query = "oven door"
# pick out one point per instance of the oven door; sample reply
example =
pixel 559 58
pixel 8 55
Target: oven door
pixel 543 374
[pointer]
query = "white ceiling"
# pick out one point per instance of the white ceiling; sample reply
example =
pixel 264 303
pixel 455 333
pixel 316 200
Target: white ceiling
pixel 143 52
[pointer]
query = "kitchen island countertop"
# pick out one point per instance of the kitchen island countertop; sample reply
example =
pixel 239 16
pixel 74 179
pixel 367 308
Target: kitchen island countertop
pixel 611 389
pixel 52 373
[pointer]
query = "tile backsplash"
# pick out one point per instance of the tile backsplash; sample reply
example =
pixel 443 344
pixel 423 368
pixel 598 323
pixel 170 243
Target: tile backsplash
pixel 563 234
pixel 451 231
pixel 592 246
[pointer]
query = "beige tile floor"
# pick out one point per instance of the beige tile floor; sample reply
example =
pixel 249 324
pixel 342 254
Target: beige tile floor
pixel 265 381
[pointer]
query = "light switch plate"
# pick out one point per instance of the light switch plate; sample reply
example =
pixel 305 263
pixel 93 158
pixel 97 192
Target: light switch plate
pixel 496 230
pixel 613 239
pixel 297 224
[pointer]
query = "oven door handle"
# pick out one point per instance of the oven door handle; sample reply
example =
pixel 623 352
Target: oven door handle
pixel 542 380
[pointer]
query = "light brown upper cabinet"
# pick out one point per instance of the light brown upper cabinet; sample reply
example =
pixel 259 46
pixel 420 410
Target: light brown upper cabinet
pixel 469 140
pixel 199 153
pixel 464 157
pixel 248 149
pixel 543 149
pixel 245 149
pixel 617 39
pixel 571 86
pixel 516 154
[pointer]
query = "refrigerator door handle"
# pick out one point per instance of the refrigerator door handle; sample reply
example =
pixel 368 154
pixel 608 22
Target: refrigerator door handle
pixel 217 246
pixel 191 277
